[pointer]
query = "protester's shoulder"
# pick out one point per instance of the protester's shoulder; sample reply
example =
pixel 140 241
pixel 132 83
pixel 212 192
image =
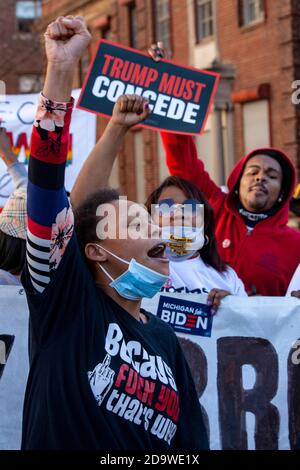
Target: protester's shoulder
pixel 165 335
pixel 235 284
pixel 72 265
pixel 292 232
pixel 8 279
pixel 159 326
pixel 290 237
pixel 230 273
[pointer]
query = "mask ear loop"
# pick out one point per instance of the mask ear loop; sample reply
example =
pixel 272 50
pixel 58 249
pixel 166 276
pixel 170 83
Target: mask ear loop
pixel 206 240
pixel 115 256
pixel 105 272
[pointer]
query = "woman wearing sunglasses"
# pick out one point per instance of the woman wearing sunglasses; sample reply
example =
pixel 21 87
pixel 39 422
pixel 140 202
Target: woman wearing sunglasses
pixel 188 228
pixel 195 265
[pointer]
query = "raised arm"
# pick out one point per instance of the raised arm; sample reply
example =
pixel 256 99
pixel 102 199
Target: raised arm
pixel 50 219
pixel 128 111
pixel 182 160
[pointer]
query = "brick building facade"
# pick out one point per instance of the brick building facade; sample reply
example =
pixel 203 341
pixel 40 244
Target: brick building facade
pixel 21 59
pixel 264 55
pixel 254 44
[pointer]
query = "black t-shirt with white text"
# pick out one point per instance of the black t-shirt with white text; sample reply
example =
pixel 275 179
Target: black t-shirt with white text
pixel 99 379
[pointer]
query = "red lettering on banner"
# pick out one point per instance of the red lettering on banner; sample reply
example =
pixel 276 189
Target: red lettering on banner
pixel 116 68
pixel 199 86
pixel 166 84
pixel 151 77
pixel 138 75
pixel 188 94
pixel 180 87
pixel 108 59
pixel 127 71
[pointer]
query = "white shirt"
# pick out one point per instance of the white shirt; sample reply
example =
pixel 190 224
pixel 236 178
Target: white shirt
pixel 194 276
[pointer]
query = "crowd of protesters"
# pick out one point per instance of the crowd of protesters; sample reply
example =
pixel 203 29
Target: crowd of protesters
pixel 88 331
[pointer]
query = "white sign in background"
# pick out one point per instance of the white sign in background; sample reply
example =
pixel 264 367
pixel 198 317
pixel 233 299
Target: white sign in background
pixel 17 113
pixel 13 365
pixel 249 323
pixel 275 323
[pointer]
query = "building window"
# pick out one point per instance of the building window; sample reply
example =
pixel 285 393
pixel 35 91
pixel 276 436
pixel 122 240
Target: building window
pixel 105 33
pixel 133 27
pixel 162 24
pixel 104 25
pixel 204 19
pixel 30 83
pixel 251 11
pixel 256 125
pixel 27 11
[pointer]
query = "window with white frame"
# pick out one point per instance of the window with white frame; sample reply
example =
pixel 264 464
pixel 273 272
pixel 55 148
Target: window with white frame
pixel 204 19
pixel 27 11
pixel 252 11
pixel 30 83
pixel 256 125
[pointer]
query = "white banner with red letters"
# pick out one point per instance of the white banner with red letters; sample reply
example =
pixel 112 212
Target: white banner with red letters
pixel 17 114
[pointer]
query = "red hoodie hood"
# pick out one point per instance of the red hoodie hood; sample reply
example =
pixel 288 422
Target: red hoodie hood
pixel 289 181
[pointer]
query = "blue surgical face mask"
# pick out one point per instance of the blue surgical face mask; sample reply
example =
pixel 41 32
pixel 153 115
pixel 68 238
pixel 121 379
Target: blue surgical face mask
pixel 137 281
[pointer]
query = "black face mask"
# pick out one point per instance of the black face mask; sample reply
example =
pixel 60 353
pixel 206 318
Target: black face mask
pixel 252 218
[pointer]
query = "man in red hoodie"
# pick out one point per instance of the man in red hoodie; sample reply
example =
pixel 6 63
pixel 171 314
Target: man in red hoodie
pixel 252 232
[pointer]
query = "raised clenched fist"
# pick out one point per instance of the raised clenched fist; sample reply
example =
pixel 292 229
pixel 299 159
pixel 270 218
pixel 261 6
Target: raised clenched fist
pixel 65 40
pixel 130 110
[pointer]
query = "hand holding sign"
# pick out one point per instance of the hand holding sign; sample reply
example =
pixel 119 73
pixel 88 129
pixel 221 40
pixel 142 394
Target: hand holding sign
pixel 157 51
pixel 65 40
pixel 214 299
pixel 130 110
